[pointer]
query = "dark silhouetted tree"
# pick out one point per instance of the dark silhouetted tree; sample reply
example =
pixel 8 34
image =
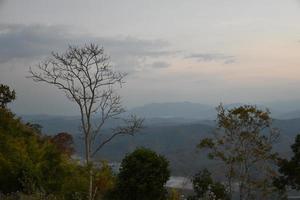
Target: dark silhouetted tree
pixel 290 169
pixel 142 176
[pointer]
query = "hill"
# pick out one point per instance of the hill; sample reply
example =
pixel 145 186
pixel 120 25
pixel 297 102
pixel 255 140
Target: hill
pixel 176 138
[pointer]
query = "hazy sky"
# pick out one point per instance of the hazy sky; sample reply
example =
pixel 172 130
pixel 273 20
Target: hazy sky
pixel 205 51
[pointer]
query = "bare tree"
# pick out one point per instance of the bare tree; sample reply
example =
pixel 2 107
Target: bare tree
pixel 88 79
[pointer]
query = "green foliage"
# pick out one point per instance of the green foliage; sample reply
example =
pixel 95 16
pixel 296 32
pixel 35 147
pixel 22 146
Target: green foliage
pixel 105 180
pixel 6 95
pixel 205 187
pixel 75 186
pixel 30 162
pixel 142 176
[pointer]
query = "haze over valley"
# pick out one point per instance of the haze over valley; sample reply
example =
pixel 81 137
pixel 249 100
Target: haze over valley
pixel 173 129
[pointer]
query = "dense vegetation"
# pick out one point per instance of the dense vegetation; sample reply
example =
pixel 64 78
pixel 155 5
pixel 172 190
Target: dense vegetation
pixel 33 163
pixel 41 166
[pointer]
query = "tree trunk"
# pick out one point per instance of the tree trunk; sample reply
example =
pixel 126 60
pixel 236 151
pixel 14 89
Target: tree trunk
pixel 242 190
pixel 91 185
pixel 89 165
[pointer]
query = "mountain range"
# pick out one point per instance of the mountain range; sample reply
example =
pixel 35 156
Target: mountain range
pixel 172 129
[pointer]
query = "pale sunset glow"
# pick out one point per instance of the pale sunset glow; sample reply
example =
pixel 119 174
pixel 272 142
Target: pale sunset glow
pixel 203 51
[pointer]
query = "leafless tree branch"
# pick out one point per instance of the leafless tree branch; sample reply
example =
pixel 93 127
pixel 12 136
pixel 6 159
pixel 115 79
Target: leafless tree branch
pixel 87 78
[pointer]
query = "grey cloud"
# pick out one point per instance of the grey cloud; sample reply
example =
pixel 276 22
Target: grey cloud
pixel 209 57
pixel 160 64
pixel 127 53
pixel 131 54
pixel 20 41
pixel 29 41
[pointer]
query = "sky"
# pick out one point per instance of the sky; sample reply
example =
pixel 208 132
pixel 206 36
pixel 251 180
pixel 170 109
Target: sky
pixel 204 51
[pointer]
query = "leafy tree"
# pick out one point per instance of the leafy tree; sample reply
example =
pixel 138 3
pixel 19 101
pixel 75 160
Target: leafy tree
pixel 105 180
pixel 87 78
pixel 31 163
pixel 289 169
pixel 206 188
pixel 64 142
pixel 243 143
pixel 6 95
pixel 142 176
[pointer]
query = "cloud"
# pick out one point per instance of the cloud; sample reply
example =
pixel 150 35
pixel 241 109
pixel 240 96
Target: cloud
pixel 29 41
pixel 212 57
pixel 160 64
pixel 36 41
pixel 131 54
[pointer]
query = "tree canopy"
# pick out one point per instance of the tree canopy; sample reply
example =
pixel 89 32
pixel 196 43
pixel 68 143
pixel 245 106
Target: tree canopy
pixel 31 162
pixel 142 176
